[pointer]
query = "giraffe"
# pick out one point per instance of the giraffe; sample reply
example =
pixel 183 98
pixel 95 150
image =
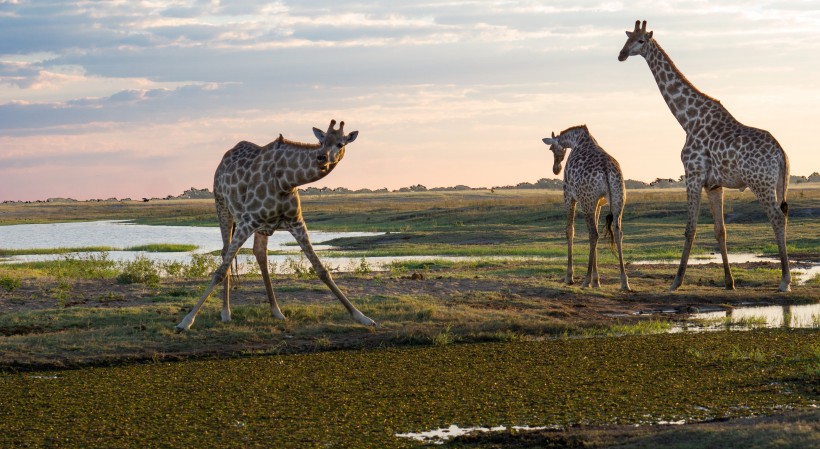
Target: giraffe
pixel 255 190
pixel 591 178
pixel 719 153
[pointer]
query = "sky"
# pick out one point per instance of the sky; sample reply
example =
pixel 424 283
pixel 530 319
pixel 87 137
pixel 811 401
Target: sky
pixel 132 99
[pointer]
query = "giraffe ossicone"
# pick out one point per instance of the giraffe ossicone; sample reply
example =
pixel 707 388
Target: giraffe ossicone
pixel 255 191
pixel 719 152
pixel 591 178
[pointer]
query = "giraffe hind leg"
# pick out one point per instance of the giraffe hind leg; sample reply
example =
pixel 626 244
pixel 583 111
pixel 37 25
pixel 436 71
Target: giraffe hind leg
pixel 570 236
pixel 693 206
pixel 716 205
pixel 778 219
pixel 591 279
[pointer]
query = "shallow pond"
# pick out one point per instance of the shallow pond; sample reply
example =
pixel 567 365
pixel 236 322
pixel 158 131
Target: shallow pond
pixel 771 316
pixel 123 234
pixel 802 271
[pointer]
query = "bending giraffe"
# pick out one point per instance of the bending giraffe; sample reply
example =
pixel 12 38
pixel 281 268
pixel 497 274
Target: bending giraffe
pixel 719 152
pixel 255 189
pixel 592 177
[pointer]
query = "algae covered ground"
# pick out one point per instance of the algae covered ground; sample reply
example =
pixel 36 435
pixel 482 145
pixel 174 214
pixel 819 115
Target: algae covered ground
pixel 364 398
pixel 89 356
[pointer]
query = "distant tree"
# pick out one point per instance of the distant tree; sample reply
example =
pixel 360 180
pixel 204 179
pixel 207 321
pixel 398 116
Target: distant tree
pixel 633 184
pixel 814 177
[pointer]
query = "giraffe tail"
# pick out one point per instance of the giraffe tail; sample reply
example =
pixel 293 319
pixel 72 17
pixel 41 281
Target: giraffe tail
pixel 235 263
pixel 783 185
pixel 608 231
pixel 609 217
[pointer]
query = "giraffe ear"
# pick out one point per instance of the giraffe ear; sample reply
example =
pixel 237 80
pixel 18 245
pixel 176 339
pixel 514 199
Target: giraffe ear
pixel 319 134
pixel 628 34
pixel 649 35
pixel 547 140
pixel 351 137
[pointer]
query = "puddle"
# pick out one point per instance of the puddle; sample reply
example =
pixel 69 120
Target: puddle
pixel 440 436
pixel 804 316
pixel 802 271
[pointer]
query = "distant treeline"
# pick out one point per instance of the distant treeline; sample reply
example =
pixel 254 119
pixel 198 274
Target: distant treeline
pixel 543 183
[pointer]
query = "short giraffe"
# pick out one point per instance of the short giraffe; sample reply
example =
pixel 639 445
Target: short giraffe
pixel 719 152
pixel 255 188
pixel 591 178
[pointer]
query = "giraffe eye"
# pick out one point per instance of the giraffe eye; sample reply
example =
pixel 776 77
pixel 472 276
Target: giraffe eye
pixel 640 41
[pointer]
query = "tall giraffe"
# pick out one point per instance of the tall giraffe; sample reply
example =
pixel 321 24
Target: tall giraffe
pixel 591 178
pixel 719 152
pixel 255 189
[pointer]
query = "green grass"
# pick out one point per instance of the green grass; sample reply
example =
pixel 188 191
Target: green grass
pixel 151 248
pixel 163 248
pixel 479 223
pixel 35 251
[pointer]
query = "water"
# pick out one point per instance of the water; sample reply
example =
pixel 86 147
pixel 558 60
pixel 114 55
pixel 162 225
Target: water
pixel 802 271
pixel 121 234
pixel 791 316
pixel 440 436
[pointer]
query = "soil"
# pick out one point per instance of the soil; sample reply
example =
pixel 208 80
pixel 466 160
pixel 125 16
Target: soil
pixel 573 305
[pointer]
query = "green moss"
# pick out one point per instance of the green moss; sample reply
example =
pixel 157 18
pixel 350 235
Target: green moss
pixel 363 398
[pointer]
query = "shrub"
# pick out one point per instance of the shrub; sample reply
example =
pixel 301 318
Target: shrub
pixel 9 283
pixel 201 265
pixel 139 271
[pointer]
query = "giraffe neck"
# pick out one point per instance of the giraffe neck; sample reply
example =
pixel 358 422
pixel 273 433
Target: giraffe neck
pixel 296 164
pixel 578 139
pixel 685 101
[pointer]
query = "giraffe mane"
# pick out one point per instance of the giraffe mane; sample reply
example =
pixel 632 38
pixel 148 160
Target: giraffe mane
pixel 683 78
pixel 293 144
pixel 573 128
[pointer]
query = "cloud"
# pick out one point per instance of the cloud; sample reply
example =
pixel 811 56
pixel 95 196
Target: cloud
pixel 440 80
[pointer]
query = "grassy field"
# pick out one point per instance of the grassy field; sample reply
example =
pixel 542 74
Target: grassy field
pixel 480 342
pixel 478 223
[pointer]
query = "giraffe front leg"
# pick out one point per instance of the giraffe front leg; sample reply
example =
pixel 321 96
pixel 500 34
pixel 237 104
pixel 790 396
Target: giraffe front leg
pixel 716 205
pixel 570 236
pixel 693 188
pixel 299 232
pixel 260 251
pixel 240 235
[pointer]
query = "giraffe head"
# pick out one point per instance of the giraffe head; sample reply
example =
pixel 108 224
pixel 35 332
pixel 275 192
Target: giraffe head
pixel 636 41
pixel 332 145
pixel 559 151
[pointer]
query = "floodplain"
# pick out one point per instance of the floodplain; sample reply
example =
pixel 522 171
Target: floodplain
pixel 89 356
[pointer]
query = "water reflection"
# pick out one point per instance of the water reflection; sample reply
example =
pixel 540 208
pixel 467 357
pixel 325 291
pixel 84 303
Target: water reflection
pixel 802 271
pixel 791 316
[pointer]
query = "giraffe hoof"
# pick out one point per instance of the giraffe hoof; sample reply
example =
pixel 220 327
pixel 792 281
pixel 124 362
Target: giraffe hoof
pixel 184 325
pixel 360 318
